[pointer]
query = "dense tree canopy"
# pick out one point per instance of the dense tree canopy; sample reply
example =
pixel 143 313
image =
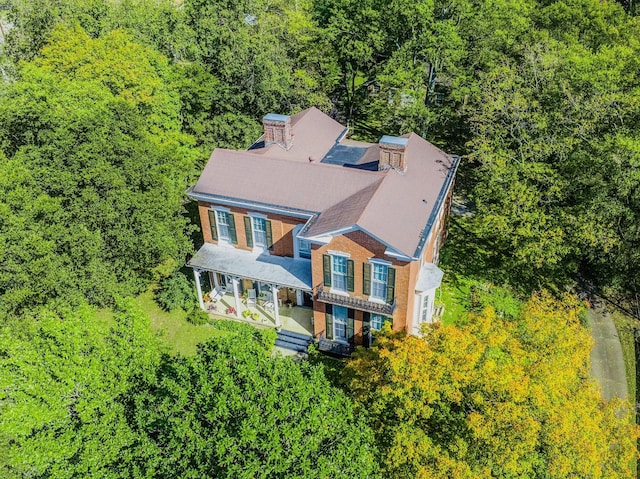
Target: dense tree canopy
pixel 65 382
pixel 108 110
pixel 493 398
pixel 78 399
pixel 236 411
pixel 95 171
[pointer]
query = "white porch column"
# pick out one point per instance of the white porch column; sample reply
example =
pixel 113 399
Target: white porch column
pixel 236 296
pixel 276 305
pixel 196 275
pixel 213 279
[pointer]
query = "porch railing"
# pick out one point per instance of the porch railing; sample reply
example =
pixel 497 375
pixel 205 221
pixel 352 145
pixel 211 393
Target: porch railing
pixel 355 303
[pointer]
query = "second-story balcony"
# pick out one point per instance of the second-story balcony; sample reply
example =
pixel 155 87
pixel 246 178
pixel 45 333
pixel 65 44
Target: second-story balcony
pixel 355 303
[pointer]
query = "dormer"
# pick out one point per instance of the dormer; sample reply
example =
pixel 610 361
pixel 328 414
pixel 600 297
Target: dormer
pixel 392 153
pixel 277 130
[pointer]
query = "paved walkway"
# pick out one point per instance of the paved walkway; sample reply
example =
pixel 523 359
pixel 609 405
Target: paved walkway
pixel 607 364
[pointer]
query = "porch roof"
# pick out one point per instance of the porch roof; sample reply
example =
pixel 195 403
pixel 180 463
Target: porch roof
pixel 289 272
pixel 430 277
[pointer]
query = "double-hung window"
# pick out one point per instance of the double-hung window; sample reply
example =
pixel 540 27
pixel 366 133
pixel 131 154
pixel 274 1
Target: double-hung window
pixel 339 323
pixel 223 226
pixel 378 320
pixel 259 232
pixel 379 281
pixel 339 273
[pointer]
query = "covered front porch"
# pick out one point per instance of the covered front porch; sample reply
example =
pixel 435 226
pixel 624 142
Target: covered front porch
pixel 257 288
pixel 297 319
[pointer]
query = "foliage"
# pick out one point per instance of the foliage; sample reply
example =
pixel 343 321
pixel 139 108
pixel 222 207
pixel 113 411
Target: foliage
pixel 493 398
pixel 94 175
pixel 236 411
pixel 198 317
pixel 175 292
pixel 64 385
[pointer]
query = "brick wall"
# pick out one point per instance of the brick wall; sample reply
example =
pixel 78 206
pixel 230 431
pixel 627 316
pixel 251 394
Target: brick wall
pixel 281 228
pixel 361 248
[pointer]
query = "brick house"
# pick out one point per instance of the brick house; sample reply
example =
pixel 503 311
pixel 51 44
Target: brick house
pixel 322 236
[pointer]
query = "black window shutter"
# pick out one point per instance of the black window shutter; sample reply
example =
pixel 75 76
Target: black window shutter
pixel 269 234
pixel 326 267
pixel 350 275
pixel 366 329
pixel 247 231
pixel 328 315
pixel 350 315
pixel 232 228
pixel 391 284
pixel 366 278
pixel 212 225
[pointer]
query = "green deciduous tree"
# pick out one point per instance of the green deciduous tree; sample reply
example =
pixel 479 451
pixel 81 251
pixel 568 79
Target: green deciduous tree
pixel 493 398
pixel 236 411
pixel 64 385
pixel 96 168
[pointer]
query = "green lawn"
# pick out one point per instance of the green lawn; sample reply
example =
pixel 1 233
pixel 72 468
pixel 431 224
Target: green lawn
pixel 172 327
pixel 626 327
pixel 461 295
pixel 453 295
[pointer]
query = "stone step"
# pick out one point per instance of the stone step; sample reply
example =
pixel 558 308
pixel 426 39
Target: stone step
pixel 290 334
pixel 301 348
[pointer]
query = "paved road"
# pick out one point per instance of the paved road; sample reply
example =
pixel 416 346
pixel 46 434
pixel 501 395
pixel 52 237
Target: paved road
pixel 607 364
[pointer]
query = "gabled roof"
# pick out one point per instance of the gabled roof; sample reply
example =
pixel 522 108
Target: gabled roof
pixel 338 188
pixel 314 134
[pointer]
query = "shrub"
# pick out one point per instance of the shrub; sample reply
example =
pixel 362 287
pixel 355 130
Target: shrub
pixel 198 317
pixel 175 292
pixel 246 313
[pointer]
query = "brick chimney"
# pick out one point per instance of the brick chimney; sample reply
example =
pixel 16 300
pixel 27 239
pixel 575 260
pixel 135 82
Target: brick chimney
pixel 392 153
pixel 277 129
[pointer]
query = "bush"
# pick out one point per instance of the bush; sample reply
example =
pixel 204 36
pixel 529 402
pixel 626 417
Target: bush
pixel 198 317
pixel 176 292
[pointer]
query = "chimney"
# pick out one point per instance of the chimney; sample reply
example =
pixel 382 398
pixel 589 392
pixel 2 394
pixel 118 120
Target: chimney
pixel 277 129
pixel 392 153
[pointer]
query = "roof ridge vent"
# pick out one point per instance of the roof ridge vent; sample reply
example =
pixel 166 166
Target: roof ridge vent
pixel 392 153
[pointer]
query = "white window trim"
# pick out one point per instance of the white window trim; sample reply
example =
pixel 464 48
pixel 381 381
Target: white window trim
pixel 296 248
pixel 419 307
pixel 346 324
pixel 222 242
pixel 333 290
pixel 372 298
pixel 387 318
pixel 380 261
pixel 256 248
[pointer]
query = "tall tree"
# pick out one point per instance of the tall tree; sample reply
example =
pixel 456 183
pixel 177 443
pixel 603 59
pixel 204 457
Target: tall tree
pixel 91 132
pixel 235 411
pixel 64 385
pixel 493 398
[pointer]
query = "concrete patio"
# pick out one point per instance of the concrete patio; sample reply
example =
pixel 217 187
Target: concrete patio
pixel 296 319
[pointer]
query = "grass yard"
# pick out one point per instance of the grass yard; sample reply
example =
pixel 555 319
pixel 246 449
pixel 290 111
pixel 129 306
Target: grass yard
pixel 172 327
pixel 626 327
pixel 453 295
pixel 461 295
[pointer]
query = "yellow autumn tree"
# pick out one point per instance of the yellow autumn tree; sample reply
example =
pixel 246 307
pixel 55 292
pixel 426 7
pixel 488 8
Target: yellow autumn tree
pixel 493 398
